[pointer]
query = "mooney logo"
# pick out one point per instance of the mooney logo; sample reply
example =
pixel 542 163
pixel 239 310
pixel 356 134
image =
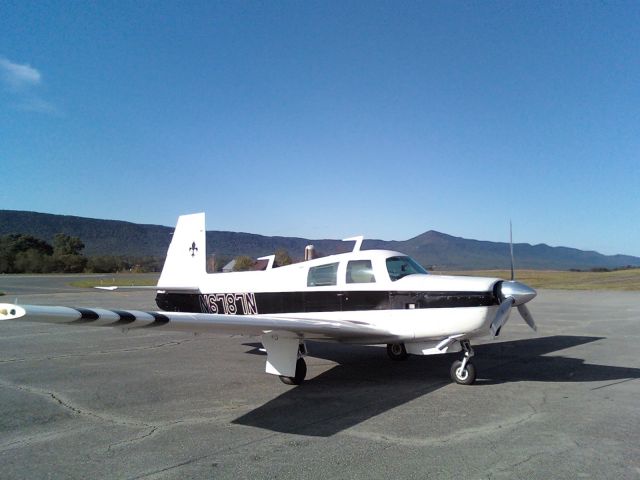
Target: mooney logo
pixel 193 249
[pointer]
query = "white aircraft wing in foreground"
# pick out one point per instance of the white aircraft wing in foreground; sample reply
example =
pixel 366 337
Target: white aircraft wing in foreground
pixel 309 328
pixel 281 336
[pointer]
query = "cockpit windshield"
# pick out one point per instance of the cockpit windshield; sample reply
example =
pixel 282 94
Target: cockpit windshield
pixel 399 267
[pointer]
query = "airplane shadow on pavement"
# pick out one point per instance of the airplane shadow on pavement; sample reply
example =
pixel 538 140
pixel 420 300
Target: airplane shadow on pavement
pixel 526 361
pixel 366 383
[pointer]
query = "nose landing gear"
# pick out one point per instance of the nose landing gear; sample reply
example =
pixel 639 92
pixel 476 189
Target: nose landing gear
pixel 463 371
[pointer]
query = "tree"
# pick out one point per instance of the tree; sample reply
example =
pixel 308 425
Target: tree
pixel 243 263
pixel 26 254
pixel 282 258
pixel 146 264
pixel 104 264
pixel 66 245
pixel 219 262
pixel 69 263
pixel 32 261
pixel 24 250
pixel 66 254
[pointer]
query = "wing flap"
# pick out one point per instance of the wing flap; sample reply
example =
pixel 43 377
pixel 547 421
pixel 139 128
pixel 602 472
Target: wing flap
pixel 198 322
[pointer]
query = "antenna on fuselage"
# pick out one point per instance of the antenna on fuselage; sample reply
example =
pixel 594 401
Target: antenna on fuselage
pixel 309 252
pixel 358 240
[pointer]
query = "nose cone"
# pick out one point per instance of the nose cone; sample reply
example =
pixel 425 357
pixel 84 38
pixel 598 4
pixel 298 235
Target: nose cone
pixel 520 292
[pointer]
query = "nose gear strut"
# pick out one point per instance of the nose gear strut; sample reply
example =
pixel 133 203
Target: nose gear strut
pixel 464 371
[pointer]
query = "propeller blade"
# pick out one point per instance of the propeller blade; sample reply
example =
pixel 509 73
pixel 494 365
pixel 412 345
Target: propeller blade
pixel 527 317
pixel 513 276
pixel 502 315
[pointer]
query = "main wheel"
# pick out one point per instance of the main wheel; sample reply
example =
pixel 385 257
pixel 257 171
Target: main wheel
pixel 301 372
pixel 397 351
pixel 463 377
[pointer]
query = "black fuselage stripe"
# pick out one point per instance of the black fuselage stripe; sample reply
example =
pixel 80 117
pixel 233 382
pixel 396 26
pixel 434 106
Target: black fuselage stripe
pixel 325 301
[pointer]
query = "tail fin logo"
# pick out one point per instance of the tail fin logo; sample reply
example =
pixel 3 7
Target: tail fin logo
pixel 193 249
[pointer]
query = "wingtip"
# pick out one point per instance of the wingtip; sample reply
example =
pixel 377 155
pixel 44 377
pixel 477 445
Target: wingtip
pixel 9 311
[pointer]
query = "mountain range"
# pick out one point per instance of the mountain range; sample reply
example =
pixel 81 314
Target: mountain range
pixel 433 249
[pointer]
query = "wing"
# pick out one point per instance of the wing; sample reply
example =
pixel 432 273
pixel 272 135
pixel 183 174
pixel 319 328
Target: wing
pixel 337 330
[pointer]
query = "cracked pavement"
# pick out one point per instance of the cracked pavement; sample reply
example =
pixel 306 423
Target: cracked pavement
pixel 97 402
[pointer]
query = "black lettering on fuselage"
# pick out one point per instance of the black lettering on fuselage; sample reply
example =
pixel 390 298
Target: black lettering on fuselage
pixel 249 304
pixel 229 303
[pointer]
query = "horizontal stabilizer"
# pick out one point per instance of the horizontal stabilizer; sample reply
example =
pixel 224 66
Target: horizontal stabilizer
pixel 151 287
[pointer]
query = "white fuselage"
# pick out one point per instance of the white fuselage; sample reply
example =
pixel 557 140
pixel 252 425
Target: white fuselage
pixel 417 307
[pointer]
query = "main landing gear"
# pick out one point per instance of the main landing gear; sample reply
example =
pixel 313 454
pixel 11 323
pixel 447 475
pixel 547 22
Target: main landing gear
pixel 397 351
pixel 301 368
pixel 298 378
pixel 463 371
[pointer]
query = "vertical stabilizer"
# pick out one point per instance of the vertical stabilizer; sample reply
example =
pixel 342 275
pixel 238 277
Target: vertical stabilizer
pixel 186 258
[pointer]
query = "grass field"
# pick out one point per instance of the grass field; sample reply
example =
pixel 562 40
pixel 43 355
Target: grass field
pixel 552 279
pixel 564 280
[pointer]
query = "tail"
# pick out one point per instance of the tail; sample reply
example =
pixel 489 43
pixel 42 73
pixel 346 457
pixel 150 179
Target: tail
pixel 186 258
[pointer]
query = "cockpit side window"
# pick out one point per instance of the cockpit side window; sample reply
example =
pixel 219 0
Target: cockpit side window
pixel 399 267
pixel 322 275
pixel 360 271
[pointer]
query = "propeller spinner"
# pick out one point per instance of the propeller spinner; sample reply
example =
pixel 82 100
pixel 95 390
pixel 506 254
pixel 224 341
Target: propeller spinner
pixel 511 294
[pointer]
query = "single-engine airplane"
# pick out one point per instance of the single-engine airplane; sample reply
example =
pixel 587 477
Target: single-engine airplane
pixel 361 297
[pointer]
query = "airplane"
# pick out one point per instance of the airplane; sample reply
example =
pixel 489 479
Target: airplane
pixel 372 297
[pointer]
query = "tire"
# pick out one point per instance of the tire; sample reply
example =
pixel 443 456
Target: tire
pixel 463 378
pixel 397 351
pixel 301 373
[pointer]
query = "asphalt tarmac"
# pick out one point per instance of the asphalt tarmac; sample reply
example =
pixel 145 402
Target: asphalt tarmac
pixel 82 402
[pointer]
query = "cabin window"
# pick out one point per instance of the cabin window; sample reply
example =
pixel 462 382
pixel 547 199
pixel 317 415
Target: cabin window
pixel 360 271
pixel 322 275
pixel 399 267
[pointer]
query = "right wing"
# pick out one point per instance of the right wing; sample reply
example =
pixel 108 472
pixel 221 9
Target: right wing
pixel 320 329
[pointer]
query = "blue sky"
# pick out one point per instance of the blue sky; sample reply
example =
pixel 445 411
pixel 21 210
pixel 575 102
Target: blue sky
pixel 329 119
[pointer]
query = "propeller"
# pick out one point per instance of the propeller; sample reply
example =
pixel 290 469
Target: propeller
pixel 512 293
pixel 502 315
pixel 513 276
pixel 527 317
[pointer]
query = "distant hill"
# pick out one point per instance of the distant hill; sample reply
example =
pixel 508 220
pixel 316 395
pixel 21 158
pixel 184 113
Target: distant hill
pixel 459 253
pixel 442 251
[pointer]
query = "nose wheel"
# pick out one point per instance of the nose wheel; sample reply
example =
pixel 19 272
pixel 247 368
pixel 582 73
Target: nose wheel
pixel 463 371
